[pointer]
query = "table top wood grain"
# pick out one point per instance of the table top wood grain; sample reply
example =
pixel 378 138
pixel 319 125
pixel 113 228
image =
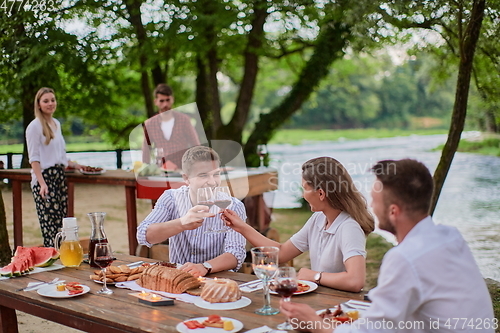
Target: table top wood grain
pixel 121 312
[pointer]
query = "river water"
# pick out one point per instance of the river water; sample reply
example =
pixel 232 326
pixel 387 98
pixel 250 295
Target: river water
pixel 470 199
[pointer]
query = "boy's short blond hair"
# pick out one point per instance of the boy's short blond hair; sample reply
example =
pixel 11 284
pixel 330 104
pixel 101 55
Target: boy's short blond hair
pixel 198 154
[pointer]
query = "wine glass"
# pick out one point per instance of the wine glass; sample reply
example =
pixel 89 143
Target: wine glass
pixel 265 266
pixel 103 257
pixel 262 152
pixel 222 199
pixel 286 284
pixel 205 197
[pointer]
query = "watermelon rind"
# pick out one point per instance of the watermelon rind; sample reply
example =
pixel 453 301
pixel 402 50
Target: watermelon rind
pixel 44 256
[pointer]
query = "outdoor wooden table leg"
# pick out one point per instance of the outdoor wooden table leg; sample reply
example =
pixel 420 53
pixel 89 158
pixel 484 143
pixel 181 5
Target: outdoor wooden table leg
pixel 130 202
pixel 18 212
pixel 8 320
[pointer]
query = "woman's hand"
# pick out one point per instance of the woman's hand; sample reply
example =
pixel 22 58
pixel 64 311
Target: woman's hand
pixel 306 274
pixel 231 219
pixel 44 190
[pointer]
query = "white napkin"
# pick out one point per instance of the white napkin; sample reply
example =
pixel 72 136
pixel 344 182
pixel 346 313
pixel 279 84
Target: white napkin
pixel 254 286
pixel 358 305
pixel 265 329
pixel 132 285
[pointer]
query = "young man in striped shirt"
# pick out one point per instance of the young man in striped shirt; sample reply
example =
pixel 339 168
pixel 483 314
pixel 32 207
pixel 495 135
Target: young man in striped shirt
pixel 177 217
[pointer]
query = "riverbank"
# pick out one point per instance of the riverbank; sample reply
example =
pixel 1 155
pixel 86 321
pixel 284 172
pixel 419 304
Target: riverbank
pixel 284 136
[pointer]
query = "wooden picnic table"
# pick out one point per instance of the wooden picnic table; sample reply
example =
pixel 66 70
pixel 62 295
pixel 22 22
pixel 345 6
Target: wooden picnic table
pixel 121 312
pixel 259 181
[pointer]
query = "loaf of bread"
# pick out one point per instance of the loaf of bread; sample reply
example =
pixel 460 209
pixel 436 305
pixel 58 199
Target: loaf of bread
pixel 170 280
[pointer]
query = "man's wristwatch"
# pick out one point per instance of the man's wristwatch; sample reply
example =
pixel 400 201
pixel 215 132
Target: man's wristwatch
pixel 317 277
pixel 208 267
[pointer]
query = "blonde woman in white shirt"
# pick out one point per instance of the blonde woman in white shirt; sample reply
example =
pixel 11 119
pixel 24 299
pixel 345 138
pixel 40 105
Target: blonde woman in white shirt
pixel 47 156
pixel 335 235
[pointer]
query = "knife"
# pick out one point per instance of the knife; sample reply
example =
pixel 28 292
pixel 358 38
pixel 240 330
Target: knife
pixel 42 284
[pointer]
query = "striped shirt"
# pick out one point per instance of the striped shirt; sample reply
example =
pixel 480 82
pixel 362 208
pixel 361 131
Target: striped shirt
pixel 194 245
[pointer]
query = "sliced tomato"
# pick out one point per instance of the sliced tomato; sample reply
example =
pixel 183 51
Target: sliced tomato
pixel 213 318
pixel 342 319
pixel 193 324
pixel 74 292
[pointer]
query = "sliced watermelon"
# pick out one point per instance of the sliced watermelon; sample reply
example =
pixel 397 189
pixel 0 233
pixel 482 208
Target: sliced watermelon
pixel 44 256
pixel 25 254
pixel 11 270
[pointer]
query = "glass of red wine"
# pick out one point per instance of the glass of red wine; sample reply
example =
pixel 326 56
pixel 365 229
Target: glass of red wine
pixel 222 199
pixel 286 284
pixel 103 257
pixel 262 152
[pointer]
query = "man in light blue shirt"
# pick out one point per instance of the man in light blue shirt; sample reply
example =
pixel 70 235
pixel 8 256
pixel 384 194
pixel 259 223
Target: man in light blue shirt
pixel 177 217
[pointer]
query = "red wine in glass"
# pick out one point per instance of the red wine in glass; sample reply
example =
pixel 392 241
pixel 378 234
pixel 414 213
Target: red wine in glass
pixel 222 204
pixel 103 261
pixel 206 203
pixel 92 244
pixel 286 289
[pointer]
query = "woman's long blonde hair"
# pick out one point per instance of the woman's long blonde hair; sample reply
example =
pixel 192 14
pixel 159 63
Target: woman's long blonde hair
pixel 46 130
pixel 328 174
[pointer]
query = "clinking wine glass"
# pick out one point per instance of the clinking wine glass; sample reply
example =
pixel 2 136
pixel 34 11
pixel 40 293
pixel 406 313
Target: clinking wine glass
pixel 103 257
pixel 205 197
pixel 286 285
pixel 262 152
pixel 222 199
pixel 265 265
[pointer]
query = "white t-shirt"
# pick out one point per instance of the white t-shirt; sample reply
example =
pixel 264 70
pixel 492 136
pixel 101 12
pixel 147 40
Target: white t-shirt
pixel 48 155
pixel 430 282
pixel 167 127
pixel 329 249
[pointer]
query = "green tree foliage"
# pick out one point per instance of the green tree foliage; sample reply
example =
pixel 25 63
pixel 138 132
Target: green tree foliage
pixel 373 92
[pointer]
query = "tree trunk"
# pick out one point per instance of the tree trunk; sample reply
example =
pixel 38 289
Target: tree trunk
pixel 203 97
pixel 467 49
pixel 134 11
pixel 234 129
pixel 329 47
pixel 5 250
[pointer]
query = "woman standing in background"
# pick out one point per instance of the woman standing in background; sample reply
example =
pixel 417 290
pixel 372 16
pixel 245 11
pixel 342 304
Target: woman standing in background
pixel 47 156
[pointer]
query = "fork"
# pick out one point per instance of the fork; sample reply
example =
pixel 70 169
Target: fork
pixel 38 285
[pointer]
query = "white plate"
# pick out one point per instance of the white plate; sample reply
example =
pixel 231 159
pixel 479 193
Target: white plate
pixel 312 287
pixel 238 325
pixel 92 172
pixel 51 291
pixel 241 303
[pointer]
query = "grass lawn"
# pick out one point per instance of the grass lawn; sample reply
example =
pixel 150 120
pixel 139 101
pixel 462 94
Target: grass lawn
pixel 298 136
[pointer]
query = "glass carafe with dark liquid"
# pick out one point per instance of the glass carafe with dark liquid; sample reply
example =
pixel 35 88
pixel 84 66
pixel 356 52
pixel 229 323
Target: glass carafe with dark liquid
pixel 97 235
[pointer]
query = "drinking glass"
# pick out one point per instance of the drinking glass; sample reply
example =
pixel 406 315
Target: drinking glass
pixel 205 197
pixel 103 257
pixel 159 157
pixel 262 152
pixel 222 199
pixel 265 266
pixel 286 284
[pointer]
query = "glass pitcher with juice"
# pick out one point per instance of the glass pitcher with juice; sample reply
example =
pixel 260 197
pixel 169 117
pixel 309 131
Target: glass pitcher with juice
pixel 68 244
pixel 97 235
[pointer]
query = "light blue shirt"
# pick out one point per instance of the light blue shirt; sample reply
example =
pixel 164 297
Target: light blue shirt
pixel 195 246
